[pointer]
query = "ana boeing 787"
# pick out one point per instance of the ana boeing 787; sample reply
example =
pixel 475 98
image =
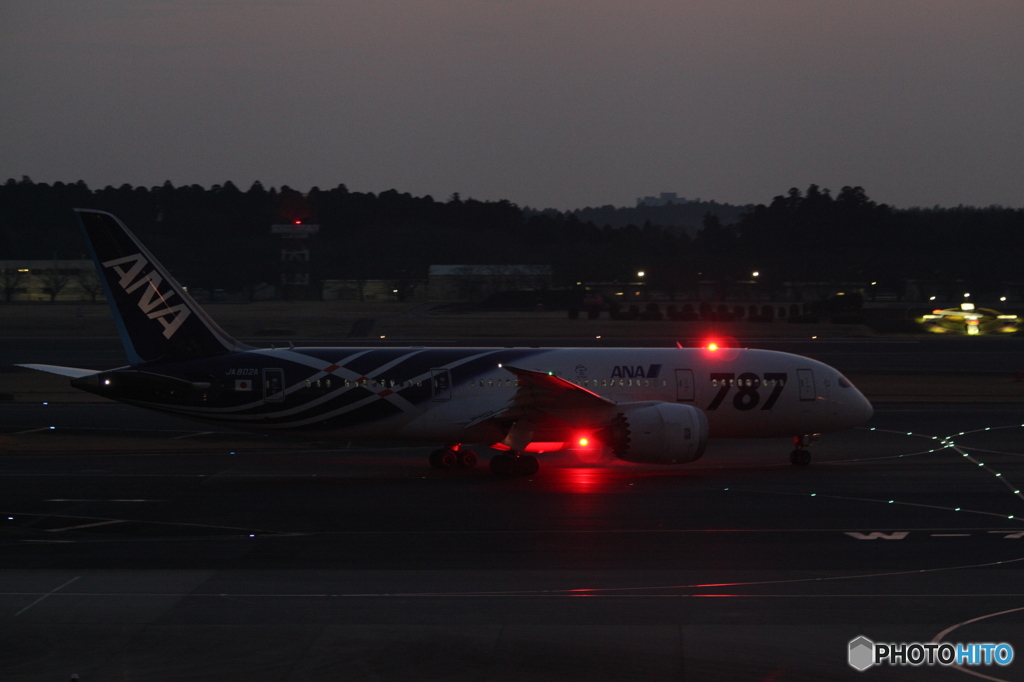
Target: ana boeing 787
pixel 645 405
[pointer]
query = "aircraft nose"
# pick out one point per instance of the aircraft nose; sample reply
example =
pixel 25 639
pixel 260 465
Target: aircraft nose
pixel 855 408
pixel 869 409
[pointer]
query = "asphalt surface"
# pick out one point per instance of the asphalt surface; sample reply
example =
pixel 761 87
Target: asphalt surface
pixel 339 563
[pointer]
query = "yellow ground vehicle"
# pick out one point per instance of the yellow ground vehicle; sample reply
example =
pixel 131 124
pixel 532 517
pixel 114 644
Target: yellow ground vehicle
pixel 969 320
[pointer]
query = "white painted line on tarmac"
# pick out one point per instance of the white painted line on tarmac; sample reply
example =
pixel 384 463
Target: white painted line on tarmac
pixel 192 435
pixel 939 637
pixel 84 525
pixel 56 589
pixel 60 499
pixel 41 428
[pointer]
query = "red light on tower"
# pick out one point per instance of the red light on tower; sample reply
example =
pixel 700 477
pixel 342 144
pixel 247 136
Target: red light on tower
pixel 298 222
pixel 712 346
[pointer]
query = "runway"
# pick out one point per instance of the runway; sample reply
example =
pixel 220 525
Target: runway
pixel 238 559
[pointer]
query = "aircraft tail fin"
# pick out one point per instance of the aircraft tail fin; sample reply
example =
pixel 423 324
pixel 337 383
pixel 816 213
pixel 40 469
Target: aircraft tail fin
pixel 155 316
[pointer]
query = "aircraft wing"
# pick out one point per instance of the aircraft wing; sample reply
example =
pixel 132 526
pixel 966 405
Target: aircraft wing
pixel 544 398
pixel 73 372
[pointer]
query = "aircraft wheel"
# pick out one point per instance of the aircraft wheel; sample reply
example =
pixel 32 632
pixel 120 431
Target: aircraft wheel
pixel 800 457
pixel 444 458
pixel 449 459
pixel 501 465
pixel 467 459
pixel 528 465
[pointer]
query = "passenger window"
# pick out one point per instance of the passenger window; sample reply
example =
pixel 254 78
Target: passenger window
pixel 328 383
pixel 308 383
pixel 647 382
pixel 664 383
pixel 318 383
pixel 490 383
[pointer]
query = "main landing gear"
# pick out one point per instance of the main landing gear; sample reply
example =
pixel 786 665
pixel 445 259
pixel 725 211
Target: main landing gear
pixel 514 464
pixel 453 457
pixel 800 457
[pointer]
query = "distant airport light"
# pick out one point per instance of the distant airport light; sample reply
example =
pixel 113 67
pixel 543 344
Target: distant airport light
pixel 967 295
pixel 874 283
pixel 966 306
pixel 640 274
pixel 932 298
pixel 1002 298
pixel 755 273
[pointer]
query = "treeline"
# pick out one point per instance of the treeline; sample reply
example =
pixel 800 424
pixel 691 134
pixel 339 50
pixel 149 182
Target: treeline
pixel 219 237
pixel 679 216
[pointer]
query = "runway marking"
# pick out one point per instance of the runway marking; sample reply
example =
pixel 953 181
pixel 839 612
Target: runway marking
pixel 939 637
pixel 103 522
pixel 597 591
pixel 899 535
pixel 996 474
pixel 998 452
pixel 882 501
pixel 41 428
pixel 85 525
pixel 265 533
pixel 192 435
pixel 537 594
pixel 53 591
pixel 58 499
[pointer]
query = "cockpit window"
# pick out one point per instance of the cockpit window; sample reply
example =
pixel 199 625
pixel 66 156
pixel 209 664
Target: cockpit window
pixel 844 382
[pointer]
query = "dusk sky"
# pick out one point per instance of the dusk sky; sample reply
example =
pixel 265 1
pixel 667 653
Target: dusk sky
pixel 547 103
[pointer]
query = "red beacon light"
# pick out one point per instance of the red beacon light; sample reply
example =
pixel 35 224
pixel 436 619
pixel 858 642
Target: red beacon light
pixel 712 346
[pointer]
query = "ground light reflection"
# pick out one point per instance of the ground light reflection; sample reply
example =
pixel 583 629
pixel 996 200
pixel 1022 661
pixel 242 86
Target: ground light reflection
pixel 581 479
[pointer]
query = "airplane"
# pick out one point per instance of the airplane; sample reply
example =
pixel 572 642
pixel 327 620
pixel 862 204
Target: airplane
pixel 643 405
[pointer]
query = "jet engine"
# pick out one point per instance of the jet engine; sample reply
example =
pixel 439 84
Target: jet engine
pixel 657 433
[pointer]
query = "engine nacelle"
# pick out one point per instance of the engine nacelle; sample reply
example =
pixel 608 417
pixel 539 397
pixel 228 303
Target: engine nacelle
pixel 658 433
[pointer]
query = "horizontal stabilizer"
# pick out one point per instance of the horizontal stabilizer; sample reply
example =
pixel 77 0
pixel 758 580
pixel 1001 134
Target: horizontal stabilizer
pixel 73 372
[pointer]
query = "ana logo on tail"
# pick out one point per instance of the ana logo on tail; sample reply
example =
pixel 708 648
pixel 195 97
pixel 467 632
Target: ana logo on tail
pixel 132 279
